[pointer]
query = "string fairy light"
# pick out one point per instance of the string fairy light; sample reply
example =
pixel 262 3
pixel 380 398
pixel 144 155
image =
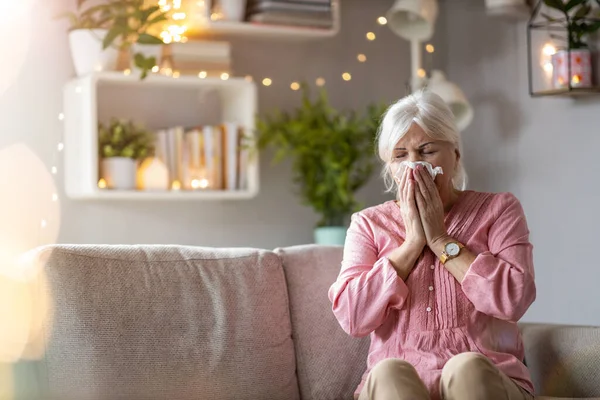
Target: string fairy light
pixel 295 86
pixel 267 81
pixel 371 36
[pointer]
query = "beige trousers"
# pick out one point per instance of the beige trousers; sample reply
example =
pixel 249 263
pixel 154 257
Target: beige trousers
pixel 466 376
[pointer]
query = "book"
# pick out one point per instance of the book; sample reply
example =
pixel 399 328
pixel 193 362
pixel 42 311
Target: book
pixel 230 155
pixel 213 156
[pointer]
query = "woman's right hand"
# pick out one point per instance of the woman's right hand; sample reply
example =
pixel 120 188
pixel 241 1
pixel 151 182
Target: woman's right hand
pixel 404 257
pixel 414 232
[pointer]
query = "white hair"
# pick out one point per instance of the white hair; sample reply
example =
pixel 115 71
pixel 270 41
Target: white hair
pixel 431 113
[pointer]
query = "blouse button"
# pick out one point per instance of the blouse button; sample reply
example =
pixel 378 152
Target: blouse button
pixel 432 267
pixel 431 288
pixel 428 309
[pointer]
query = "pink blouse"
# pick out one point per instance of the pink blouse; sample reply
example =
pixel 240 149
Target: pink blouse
pixel 432 317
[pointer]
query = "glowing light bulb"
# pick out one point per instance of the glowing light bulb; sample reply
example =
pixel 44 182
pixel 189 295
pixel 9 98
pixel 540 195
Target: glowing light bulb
pixel 382 20
pixel 421 73
pixel 127 72
pixel 54 170
pixel 549 49
pixel 548 67
pixel 371 36
pixel 60 146
pixel 155 69
pixel 346 76
pixel 361 58
pixel 224 76
pixel 320 82
pixel 102 184
pixel 267 82
pixel 176 74
pixel 61 117
pixel 176 185
pixel 295 86
pixel 429 48
pixel 202 74
pixel 576 79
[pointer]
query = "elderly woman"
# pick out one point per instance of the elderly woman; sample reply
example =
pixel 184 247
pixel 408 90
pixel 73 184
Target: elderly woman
pixel 438 278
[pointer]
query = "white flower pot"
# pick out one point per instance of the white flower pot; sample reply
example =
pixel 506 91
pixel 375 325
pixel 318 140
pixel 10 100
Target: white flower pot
pixel 87 53
pixel 233 10
pixel 119 172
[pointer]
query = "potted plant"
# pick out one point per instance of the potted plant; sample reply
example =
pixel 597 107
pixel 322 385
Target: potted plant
pixel 121 144
pixel 86 33
pixel 575 54
pixel 113 28
pixel 332 157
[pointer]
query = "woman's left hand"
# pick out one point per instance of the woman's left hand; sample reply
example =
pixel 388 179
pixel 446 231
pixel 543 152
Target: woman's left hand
pixel 431 208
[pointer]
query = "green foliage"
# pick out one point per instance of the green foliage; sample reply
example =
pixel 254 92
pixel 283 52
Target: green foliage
pixel 332 153
pixel 128 22
pixel 123 138
pixel 578 21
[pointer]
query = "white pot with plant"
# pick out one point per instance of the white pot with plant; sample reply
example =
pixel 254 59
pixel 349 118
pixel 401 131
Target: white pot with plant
pixel 121 144
pixel 572 63
pixel 86 35
pixel 102 36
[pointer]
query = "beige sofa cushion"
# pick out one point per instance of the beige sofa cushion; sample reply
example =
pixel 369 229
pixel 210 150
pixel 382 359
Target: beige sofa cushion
pixel 329 362
pixel 564 360
pixel 169 322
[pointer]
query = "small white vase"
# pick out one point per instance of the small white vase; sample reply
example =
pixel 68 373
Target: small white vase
pixel 330 235
pixel 233 10
pixel 119 172
pixel 87 53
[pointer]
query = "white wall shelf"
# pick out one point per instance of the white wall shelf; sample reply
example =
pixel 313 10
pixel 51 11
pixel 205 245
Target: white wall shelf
pixel 157 102
pixel 260 30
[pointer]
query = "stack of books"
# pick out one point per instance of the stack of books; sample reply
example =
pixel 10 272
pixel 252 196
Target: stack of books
pixel 211 58
pixel 204 157
pixel 305 13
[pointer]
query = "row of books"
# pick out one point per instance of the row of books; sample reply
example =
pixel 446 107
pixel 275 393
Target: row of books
pixel 205 157
pixel 305 13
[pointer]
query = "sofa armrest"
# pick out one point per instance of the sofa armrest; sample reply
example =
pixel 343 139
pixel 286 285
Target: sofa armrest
pixel 564 361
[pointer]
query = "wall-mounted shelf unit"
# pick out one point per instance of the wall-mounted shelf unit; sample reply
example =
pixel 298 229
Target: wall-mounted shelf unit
pixel 263 30
pixel 157 102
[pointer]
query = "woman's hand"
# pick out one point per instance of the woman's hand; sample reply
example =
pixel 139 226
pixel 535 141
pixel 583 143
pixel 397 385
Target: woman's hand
pixel 430 206
pixel 415 235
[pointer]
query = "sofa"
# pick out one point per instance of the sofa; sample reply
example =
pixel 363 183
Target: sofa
pixel 180 322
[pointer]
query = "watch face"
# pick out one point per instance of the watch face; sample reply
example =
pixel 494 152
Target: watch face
pixel 452 249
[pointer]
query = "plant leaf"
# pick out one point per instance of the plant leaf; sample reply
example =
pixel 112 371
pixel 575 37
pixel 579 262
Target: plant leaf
pixel 110 37
pixel 574 3
pixel 583 11
pixel 146 38
pixel 557 4
pixel 157 19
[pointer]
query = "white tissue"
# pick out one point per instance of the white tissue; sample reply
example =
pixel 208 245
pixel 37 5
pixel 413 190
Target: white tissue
pixel 432 171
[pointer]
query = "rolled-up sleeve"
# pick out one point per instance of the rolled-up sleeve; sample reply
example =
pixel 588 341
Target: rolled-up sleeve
pixel 500 282
pixel 367 287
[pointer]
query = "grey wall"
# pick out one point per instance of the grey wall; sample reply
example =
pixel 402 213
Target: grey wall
pixel 545 150
pixel 275 218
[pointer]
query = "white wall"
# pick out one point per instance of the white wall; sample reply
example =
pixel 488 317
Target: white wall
pixel 275 218
pixel 545 150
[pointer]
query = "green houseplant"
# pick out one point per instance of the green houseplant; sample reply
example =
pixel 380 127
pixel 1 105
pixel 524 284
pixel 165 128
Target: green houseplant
pixel 332 156
pixel 120 144
pixel 578 20
pixel 101 33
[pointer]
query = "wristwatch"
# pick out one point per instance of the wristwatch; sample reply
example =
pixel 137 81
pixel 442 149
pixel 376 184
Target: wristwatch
pixel 451 250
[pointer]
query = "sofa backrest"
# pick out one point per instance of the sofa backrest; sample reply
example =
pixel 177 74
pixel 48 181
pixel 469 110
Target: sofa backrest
pixel 168 322
pixel 329 362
